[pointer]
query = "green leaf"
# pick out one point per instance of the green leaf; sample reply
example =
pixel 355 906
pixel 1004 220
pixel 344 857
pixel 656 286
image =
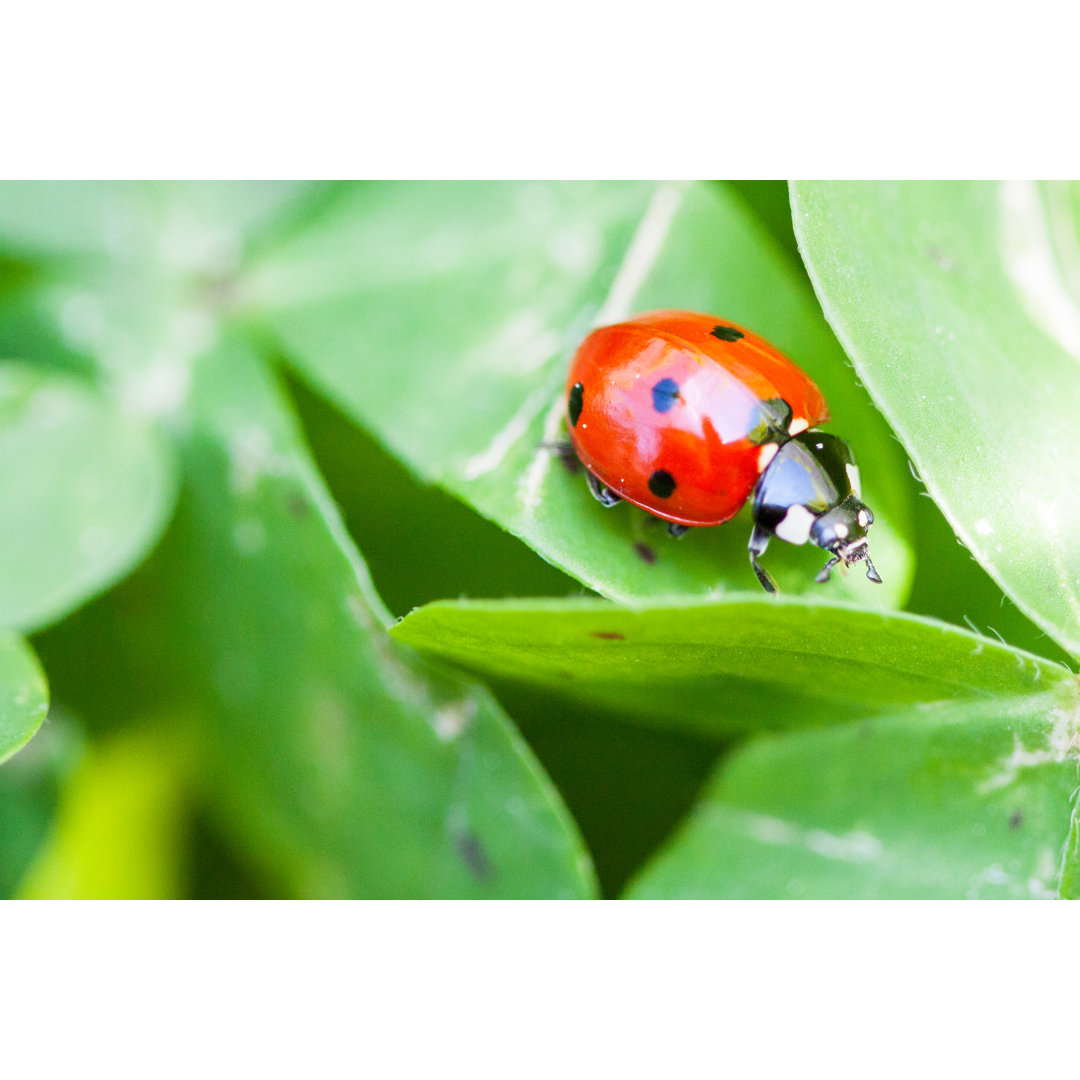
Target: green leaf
pixel 734 664
pixel 394 520
pixel 627 786
pixel 443 317
pixel 30 785
pixel 959 305
pixel 24 695
pixel 945 801
pixel 190 225
pixel 120 823
pixel 60 217
pixel 952 587
pixel 771 203
pixel 85 490
pixel 349 765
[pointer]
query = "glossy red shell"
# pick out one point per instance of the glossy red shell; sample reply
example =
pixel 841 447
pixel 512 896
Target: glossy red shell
pixel 700 440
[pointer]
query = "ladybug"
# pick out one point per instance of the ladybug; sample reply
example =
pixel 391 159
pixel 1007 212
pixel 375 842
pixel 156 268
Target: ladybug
pixel 689 416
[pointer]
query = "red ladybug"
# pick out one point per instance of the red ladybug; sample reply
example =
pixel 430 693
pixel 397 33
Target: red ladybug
pixel 688 415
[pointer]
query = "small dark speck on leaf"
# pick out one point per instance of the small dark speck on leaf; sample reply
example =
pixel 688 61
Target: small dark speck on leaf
pixel 609 635
pixel 564 674
pixel 473 856
pixel 298 505
pixel 645 552
pixel 1016 820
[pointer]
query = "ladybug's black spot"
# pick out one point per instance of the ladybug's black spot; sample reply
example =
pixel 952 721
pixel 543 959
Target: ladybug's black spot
pixel 664 395
pixel 577 399
pixel 662 484
pixel 726 333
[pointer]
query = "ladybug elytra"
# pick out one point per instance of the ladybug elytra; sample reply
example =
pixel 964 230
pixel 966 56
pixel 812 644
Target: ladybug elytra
pixel 689 416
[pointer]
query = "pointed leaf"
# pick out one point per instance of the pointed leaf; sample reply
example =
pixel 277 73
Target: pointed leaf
pixel 24 695
pixel 734 664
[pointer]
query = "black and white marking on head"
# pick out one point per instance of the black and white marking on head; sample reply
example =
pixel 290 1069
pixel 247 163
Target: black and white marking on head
pixel 808 493
pixel 794 526
pixel 577 399
pixel 726 333
pixel 662 484
pixel 664 395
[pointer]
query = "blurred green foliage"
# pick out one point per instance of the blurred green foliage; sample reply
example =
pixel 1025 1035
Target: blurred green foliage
pixel 246 429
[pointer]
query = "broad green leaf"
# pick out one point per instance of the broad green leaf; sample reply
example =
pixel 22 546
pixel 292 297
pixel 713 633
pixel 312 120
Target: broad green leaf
pixel 944 801
pixel 85 490
pixel 733 664
pixel 24 694
pixel 959 304
pixel 199 226
pixel 443 316
pixel 118 833
pixel 349 765
pixel 49 218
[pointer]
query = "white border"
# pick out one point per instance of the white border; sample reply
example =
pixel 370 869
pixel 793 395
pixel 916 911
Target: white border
pixel 553 90
pixel 536 990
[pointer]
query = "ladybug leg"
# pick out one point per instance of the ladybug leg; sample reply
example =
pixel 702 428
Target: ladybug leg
pixel 759 541
pixel 824 573
pixel 677 531
pixel 563 450
pixel 603 495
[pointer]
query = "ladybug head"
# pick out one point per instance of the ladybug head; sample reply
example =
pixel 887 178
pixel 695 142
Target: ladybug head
pixel 809 493
pixel 842 532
